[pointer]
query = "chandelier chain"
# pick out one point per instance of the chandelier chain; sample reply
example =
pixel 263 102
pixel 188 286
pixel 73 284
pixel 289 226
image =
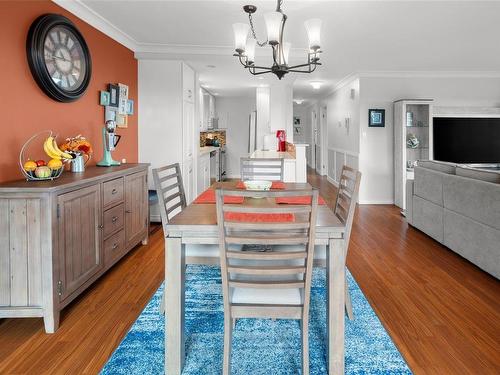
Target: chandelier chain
pixel 260 44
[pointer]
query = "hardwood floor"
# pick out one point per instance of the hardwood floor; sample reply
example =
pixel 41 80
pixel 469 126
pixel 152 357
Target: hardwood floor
pixel 442 312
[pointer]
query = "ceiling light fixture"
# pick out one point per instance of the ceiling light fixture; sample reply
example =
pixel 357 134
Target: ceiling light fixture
pixel 316 85
pixel 299 101
pixel 275 25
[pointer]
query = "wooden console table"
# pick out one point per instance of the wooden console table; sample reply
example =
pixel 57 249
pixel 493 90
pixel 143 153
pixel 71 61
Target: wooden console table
pixel 58 237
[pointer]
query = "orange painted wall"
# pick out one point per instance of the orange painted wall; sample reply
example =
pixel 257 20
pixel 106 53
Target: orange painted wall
pixel 24 107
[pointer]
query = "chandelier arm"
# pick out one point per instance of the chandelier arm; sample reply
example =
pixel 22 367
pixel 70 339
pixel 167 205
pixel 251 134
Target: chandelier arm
pixel 245 64
pixel 259 73
pixel 304 65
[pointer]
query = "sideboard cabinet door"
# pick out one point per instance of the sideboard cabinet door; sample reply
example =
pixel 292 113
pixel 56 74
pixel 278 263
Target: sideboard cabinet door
pixel 80 252
pixel 136 207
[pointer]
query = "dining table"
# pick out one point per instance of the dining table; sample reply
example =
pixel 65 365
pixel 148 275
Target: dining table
pixel 197 224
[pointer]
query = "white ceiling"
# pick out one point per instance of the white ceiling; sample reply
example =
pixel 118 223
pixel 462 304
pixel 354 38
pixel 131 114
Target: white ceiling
pixel 357 36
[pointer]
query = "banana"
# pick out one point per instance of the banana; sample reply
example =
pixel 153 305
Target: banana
pixel 50 147
pixel 48 150
pixel 64 155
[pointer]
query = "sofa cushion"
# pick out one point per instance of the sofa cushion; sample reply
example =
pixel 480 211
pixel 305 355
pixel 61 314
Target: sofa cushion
pixel 429 185
pixel 439 166
pixel 428 217
pixel 476 199
pixel 479 174
pixel 474 241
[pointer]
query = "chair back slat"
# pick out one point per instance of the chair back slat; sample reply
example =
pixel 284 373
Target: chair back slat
pixel 261 169
pixel 347 197
pixel 170 191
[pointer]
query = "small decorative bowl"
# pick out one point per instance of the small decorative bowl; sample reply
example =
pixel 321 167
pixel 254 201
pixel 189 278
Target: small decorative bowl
pixel 258 185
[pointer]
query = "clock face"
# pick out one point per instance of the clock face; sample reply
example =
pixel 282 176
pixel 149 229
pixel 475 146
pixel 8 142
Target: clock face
pixel 58 57
pixel 64 58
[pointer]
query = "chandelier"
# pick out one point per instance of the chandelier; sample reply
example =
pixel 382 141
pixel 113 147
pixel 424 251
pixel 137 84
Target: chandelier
pixel 275 25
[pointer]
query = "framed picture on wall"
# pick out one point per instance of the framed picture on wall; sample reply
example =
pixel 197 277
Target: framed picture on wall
pixel 104 98
pixel 114 95
pixel 376 118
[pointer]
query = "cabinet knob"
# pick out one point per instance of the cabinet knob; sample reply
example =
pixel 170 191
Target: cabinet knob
pixel 114 218
pixel 128 211
pixel 100 226
pixel 115 245
pixel 114 191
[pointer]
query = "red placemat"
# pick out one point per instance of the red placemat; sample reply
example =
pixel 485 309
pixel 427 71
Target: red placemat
pixel 261 217
pixel 208 197
pixel 276 185
pixel 298 200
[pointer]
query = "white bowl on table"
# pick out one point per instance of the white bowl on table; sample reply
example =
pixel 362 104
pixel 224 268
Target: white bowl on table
pixel 255 185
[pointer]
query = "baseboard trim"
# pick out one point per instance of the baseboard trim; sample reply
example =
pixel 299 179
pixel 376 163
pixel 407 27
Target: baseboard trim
pixel 376 202
pixel 332 181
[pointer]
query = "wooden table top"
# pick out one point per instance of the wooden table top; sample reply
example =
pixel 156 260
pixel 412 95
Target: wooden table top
pixel 203 217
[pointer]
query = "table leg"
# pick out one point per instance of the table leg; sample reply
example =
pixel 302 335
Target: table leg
pixel 335 305
pixel 174 305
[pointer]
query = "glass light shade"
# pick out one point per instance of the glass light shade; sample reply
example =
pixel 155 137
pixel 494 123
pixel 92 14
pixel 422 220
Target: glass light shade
pixel 286 52
pixel 273 26
pixel 316 85
pixel 250 50
pixel 240 36
pixel 313 27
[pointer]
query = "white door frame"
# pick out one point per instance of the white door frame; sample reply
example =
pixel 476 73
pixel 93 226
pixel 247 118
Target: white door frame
pixel 324 139
pixel 313 138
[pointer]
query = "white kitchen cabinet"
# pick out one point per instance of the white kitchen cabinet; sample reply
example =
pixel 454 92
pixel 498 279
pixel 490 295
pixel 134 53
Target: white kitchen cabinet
pixel 168 130
pixel 203 172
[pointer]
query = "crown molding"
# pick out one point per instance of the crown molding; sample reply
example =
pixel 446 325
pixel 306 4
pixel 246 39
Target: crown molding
pixel 429 74
pixel 82 11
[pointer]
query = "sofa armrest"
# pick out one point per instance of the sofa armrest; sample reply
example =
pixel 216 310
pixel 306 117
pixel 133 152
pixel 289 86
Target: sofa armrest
pixel 409 201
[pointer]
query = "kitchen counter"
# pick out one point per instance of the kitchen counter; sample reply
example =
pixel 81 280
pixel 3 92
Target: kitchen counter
pixel 207 150
pixel 271 155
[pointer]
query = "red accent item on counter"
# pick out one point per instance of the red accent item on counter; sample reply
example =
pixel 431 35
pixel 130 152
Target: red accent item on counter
pixel 281 135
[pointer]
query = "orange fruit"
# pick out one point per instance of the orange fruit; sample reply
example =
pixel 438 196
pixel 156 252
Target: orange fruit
pixel 30 166
pixel 54 164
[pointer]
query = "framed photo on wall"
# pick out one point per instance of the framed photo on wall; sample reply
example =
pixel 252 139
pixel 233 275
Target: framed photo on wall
pixel 114 95
pixel 376 118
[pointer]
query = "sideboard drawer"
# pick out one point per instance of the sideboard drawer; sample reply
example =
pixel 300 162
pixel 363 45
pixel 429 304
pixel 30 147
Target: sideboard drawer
pixel 114 248
pixel 114 219
pixel 113 191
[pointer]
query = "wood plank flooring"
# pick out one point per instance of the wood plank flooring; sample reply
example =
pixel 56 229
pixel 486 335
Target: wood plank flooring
pixel 442 312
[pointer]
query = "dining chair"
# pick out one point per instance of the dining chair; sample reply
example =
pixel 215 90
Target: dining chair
pixel 261 169
pixel 345 206
pixel 171 198
pixel 272 284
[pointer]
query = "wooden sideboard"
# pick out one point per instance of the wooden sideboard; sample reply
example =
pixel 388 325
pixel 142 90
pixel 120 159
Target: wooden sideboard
pixel 57 237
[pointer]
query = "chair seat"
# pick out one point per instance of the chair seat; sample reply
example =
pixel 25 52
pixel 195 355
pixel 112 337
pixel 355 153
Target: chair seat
pixel 267 296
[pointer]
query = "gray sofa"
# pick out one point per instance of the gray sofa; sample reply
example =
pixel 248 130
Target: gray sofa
pixel 458 206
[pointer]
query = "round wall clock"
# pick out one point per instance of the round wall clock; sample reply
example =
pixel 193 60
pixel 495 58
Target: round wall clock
pixel 58 57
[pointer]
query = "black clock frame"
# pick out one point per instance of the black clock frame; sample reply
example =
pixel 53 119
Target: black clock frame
pixel 36 60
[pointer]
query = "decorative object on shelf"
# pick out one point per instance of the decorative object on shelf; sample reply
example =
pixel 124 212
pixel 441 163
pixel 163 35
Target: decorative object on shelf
pixel 123 99
pixel 376 118
pixel 410 164
pixel 109 142
pixel 412 141
pixel 39 170
pixel 275 25
pixel 81 149
pixel 104 98
pixel 114 92
pixel 409 119
pixel 58 57
pixel 130 107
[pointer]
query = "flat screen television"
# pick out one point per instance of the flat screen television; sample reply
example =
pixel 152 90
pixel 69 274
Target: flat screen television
pixel 466 140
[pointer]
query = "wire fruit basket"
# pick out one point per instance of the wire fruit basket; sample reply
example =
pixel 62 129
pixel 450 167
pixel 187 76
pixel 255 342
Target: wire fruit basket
pixel 30 174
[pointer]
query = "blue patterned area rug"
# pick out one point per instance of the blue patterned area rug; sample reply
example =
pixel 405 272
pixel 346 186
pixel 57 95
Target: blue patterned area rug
pixel 259 346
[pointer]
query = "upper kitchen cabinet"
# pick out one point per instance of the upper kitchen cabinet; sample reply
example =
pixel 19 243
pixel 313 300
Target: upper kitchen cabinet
pixel 208 119
pixel 168 126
